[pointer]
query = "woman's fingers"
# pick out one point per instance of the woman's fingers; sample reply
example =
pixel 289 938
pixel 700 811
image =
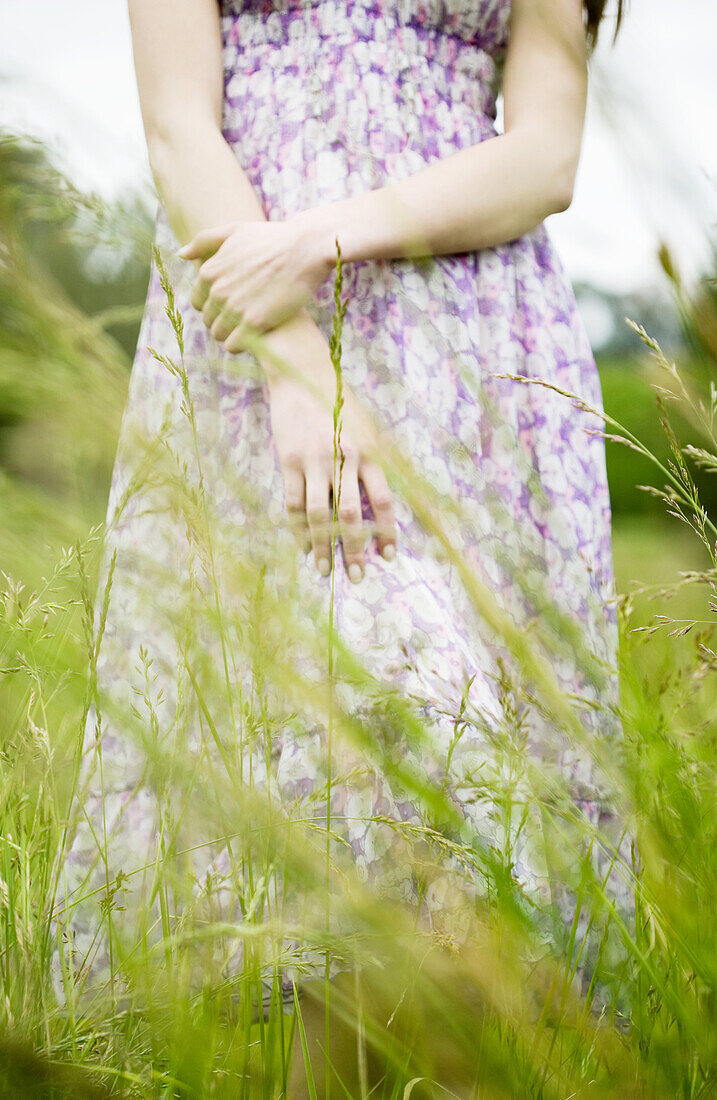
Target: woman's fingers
pixel 205 242
pixel 236 341
pixel 295 496
pixel 310 517
pixel 319 517
pixel 212 310
pixel 224 323
pixel 381 500
pixel 200 292
pixel 310 514
pixel 304 438
pixel 351 522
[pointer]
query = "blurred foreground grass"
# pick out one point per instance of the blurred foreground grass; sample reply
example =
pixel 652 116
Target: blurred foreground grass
pixel 502 1018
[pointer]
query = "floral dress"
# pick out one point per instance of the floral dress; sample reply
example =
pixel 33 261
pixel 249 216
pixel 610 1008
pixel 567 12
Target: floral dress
pixel 467 362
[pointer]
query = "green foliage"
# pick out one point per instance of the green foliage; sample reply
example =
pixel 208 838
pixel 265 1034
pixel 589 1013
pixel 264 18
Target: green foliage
pixel 629 397
pixel 66 342
pixel 495 1016
pixel 91 254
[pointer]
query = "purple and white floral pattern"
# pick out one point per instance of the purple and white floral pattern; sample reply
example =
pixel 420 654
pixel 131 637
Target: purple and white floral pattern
pixel 321 102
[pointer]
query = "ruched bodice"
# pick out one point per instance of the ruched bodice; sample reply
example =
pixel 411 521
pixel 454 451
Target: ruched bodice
pixel 377 88
pixel 483 24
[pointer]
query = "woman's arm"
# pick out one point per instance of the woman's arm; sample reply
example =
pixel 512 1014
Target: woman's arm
pixel 476 198
pixel 501 188
pixel 178 62
pixel 177 50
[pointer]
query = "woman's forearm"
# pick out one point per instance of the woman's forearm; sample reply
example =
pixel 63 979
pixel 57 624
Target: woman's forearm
pixel 476 198
pixel 199 179
pixel 201 184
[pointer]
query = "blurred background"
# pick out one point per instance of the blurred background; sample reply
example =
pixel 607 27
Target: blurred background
pixel 77 206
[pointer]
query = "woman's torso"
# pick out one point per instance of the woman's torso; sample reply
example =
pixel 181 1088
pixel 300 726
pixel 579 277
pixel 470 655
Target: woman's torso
pixel 359 91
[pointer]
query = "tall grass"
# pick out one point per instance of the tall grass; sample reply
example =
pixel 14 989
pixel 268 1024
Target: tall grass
pixel 606 991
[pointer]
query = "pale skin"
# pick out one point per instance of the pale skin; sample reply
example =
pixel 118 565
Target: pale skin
pixel 258 276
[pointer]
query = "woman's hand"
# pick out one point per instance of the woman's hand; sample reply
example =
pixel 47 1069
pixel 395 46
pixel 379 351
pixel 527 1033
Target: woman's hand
pixel 303 432
pixel 253 275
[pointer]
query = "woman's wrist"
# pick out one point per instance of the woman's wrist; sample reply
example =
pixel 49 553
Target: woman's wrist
pixel 316 236
pixel 374 225
pixel 340 221
pixel 296 340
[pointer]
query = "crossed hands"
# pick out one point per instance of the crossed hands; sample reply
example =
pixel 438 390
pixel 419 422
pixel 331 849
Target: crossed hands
pixel 254 277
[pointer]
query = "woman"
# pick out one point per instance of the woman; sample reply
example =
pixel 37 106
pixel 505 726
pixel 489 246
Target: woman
pixel 275 134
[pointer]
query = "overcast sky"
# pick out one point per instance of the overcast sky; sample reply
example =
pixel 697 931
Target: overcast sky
pixel 649 161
